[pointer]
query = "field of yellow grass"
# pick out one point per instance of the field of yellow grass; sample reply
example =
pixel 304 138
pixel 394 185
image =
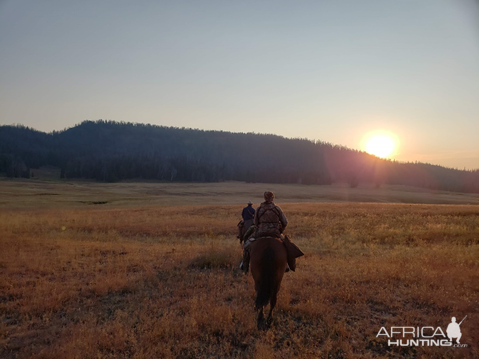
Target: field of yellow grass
pixel 159 278
pixel 50 194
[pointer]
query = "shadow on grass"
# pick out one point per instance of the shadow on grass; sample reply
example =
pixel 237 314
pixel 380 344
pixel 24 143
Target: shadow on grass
pixel 213 260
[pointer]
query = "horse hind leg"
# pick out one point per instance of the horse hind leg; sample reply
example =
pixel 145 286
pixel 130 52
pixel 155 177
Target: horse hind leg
pixel 269 320
pixel 260 322
pixel 272 303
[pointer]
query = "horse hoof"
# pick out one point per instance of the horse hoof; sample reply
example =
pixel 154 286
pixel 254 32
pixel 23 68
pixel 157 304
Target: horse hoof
pixel 263 325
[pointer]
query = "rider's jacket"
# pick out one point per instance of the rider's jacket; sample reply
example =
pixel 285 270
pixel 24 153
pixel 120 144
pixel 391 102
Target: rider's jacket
pixel 270 220
pixel 248 213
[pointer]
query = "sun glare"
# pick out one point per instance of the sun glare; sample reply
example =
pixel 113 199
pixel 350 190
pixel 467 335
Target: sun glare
pixel 381 145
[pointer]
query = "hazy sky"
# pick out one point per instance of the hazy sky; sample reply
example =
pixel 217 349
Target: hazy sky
pixel 325 70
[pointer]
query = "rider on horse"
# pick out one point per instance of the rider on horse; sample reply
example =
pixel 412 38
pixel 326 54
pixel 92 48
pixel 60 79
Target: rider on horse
pixel 269 221
pixel 247 221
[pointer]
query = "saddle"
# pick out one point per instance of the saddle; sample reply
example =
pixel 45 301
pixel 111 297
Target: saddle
pixel 292 250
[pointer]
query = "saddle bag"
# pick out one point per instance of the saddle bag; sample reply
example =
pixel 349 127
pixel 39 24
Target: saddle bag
pixel 293 252
pixel 293 249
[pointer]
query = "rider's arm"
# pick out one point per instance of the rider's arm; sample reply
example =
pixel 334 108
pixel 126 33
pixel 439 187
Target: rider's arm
pixel 256 217
pixel 282 219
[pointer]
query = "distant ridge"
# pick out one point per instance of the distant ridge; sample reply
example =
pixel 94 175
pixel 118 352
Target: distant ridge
pixel 112 151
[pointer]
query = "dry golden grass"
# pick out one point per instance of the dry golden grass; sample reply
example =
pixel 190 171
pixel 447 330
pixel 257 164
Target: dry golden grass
pixel 49 194
pixel 161 281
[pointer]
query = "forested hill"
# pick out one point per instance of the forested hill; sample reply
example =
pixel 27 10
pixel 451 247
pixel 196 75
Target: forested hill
pixel 111 151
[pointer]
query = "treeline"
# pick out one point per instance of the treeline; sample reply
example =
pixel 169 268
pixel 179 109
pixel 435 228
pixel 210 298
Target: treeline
pixel 111 151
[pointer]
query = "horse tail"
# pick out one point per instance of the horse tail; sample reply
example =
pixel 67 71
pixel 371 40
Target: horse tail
pixel 266 285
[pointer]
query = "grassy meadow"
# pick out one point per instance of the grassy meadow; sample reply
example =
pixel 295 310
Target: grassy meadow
pixel 148 270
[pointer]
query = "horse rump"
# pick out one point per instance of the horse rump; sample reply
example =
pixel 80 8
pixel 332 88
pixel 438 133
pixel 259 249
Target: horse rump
pixel 268 262
pixel 265 284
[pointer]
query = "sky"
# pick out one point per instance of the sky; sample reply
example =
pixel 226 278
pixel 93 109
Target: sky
pixel 331 71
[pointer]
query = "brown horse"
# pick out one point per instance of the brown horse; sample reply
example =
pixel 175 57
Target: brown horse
pixel 244 228
pixel 268 263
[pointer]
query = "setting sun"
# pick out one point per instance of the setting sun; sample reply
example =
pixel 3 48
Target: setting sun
pixel 380 144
